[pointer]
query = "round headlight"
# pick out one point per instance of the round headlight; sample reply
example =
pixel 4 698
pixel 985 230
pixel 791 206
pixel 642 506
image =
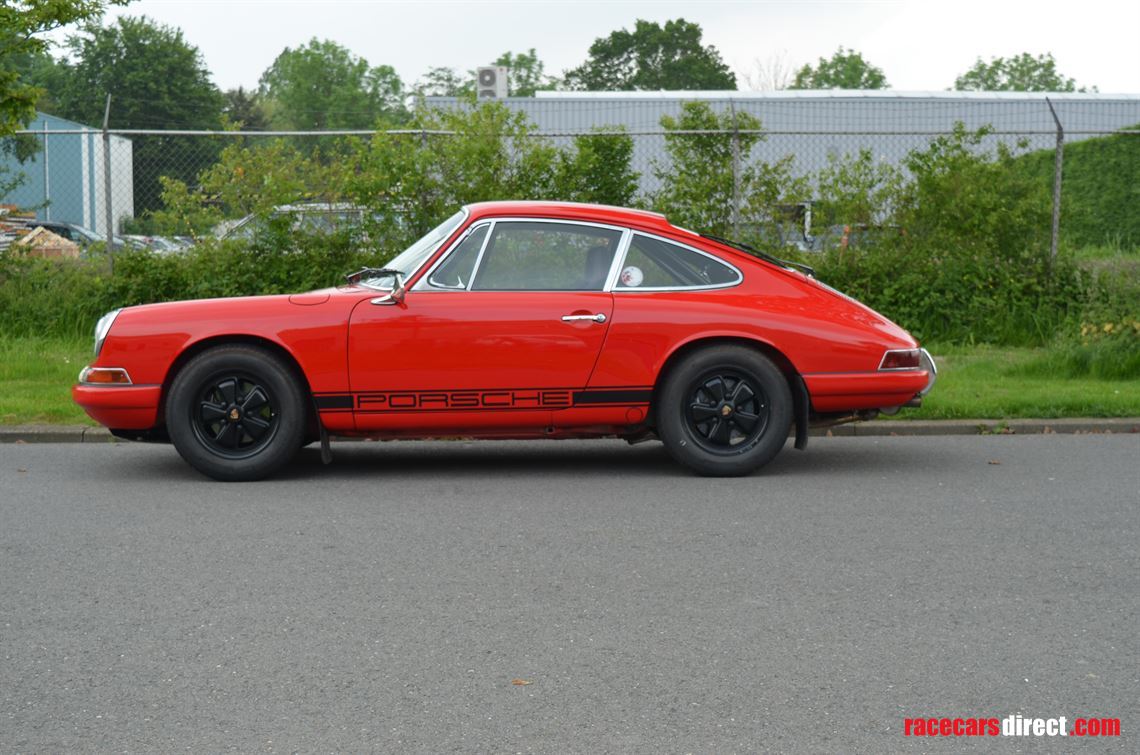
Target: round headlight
pixel 103 327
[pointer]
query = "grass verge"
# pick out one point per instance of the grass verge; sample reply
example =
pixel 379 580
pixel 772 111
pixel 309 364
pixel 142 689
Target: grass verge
pixel 36 375
pixel 980 382
pixel 977 382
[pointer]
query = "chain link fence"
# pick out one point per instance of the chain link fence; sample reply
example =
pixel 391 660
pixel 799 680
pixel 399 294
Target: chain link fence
pixel 763 157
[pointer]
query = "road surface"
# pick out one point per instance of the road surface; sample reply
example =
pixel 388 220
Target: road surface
pixel 568 597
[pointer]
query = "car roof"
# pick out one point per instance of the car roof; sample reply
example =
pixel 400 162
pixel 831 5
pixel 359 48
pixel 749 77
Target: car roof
pixel 600 213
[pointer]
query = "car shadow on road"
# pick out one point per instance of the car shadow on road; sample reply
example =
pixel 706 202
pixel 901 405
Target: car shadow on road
pixel 571 458
pixel 423 460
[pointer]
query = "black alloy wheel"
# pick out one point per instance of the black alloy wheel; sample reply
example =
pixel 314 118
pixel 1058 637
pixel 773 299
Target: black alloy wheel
pixel 236 416
pixel 724 410
pixel 728 410
pixel 237 412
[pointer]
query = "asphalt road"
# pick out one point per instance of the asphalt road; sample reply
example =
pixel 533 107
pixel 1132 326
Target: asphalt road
pixel 389 602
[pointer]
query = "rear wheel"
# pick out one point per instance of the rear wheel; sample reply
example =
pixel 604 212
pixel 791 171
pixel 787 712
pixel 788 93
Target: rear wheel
pixel 724 411
pixel 236 413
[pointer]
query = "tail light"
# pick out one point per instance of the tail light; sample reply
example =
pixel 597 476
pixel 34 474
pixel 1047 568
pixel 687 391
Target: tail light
pixel 902 359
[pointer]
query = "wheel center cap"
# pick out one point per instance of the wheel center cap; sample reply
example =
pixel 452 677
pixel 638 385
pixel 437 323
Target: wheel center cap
pixel 726 410
pixel 235 414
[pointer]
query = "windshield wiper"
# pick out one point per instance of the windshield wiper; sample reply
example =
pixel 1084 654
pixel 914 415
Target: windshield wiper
pixel 372 272
pixel 805 269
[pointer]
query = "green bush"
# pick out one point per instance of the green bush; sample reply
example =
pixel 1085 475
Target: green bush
pixel 65 297
pixel 1100 193
pixel 966 258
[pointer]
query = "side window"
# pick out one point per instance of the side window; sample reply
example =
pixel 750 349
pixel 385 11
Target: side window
pixel 528 256
pixel 455 272
pixel 654 263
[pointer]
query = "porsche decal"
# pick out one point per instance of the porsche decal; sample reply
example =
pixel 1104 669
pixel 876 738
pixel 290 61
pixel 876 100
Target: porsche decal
pixel 506 399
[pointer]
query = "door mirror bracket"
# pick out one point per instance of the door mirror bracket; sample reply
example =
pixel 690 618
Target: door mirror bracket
pixel 396 296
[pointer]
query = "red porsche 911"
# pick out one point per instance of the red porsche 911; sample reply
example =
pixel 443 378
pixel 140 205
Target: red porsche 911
pixel 511 320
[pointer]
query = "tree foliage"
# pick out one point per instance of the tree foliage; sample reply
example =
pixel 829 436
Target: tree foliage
pixel 699 183
pixel 442 81
pixel 598 169
pixel 652 57
pixel 856 189
pixel 1021 73
pixel 526 74
pixel 22 46
pixel 961 250
pixel 846 69
pixel 155 77
pixel 323 85
pixel 245 110
pixel 157 80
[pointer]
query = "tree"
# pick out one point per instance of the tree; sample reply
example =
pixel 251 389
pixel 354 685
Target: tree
pixel 444 82
pixel 325 86
pixel 245 110
pixel 526 75
pixel 652 58
pixel 1021 73
pixel 22 26
pixel 769 75
pixel 599 169
pixel 846 69
pixel 157 80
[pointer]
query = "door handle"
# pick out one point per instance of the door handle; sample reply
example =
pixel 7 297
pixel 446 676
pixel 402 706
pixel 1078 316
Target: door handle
pixel 574 318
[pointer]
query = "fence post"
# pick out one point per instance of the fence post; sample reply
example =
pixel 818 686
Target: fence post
pixel 735 172
pixel 1058 161
pixel 110 214
pixel 47 175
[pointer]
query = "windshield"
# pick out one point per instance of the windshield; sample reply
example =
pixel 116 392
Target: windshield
pixel 410 260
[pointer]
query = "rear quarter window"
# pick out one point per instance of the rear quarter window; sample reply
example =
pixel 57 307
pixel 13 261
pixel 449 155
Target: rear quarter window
pixel 655 263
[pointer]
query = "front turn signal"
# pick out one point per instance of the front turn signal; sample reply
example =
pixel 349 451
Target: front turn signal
pixel 104 376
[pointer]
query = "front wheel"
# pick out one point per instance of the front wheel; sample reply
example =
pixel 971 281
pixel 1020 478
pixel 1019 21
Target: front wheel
pixel 724 411
pixel 236 413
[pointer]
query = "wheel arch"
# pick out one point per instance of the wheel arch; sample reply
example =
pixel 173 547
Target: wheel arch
pixel 800 397
pixel 198 347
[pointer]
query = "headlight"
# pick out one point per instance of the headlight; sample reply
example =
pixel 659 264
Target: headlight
pixel 103 327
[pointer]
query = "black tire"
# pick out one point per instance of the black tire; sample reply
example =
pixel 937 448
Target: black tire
pixel 724 411
pixel 236 413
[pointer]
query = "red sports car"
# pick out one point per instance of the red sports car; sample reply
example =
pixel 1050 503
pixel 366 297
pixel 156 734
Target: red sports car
pixel 511 320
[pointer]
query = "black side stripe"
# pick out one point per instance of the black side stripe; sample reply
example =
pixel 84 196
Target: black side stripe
pixel 612 397
pixel 334 401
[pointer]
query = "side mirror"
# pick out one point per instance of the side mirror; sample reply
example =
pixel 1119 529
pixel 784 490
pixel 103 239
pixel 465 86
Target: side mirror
pixel 397 294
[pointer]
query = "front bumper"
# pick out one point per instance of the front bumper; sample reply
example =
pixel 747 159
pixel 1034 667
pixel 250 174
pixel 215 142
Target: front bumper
pixel 125 407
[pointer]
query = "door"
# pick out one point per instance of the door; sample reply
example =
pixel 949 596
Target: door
pixel 505 329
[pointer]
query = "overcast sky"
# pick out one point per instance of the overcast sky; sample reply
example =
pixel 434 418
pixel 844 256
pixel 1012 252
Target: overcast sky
pixel 919 45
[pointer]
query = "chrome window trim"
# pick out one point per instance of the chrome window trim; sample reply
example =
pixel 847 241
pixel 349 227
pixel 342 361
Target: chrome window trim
pixel 622 242
pixel 482 251
pixel 419 268
pixel 424 283
pixel 619 256
pixel 654 289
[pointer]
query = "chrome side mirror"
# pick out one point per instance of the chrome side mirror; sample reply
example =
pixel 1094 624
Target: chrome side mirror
pixel 397 294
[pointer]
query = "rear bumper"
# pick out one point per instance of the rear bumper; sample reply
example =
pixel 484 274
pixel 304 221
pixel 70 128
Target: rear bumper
pixel 840 392
pixel 126 407
pixel 927 363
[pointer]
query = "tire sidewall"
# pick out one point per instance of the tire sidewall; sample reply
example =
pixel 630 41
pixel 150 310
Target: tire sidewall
pixel 679 436
pixel 282 384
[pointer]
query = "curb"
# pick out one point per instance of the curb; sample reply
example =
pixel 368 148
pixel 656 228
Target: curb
pixel 1065 426
pixel 873 428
